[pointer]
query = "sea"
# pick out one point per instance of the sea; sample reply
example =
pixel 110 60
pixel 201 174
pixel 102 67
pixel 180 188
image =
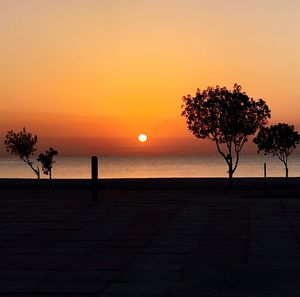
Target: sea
pixel 154 167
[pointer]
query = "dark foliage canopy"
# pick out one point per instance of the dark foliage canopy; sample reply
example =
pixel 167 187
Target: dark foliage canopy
pixel 47 160
pixel 279 140
pixel 21 144
pixel 224 115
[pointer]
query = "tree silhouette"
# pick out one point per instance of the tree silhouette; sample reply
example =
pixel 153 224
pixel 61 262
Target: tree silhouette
pixel 227 117
pixel 279 140
pixel 22 144
pixel 47 161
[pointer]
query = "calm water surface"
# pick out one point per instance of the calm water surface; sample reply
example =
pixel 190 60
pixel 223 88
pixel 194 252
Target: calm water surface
pixel 138 167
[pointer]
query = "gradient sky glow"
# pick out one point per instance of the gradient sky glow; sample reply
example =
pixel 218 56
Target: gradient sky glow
pixel 108 70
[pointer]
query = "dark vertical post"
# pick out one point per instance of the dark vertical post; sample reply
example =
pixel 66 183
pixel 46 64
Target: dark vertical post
pixel 265 174
pixel 94 172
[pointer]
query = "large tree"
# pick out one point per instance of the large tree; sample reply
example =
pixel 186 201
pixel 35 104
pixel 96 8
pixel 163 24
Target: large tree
pixel 23 145
pixel 279 140
pixel 226 117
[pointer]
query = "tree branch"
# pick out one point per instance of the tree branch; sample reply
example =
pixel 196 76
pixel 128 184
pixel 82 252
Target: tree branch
pixel 220 152
pixel 27 161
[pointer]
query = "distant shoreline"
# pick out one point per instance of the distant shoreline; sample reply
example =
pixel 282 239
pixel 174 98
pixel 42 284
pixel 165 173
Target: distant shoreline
pixel 132 168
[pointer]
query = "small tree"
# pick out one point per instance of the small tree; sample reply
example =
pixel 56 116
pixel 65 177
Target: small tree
pixel 227 117
pixel 47 161
pixel 279 140
pixel 22 144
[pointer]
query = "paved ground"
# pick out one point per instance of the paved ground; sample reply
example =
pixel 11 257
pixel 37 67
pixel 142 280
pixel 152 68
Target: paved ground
pixel 149 242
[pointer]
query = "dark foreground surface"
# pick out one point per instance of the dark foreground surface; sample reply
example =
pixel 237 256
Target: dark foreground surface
pixel 163 237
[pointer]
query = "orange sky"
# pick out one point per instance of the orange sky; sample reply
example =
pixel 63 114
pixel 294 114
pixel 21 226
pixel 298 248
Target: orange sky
pixel 104 71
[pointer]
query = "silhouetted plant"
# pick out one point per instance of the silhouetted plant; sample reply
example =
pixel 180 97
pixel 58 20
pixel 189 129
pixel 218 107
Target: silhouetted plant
pixel 279 140
pixel 47 161
pixel 227 117
pixel 22 144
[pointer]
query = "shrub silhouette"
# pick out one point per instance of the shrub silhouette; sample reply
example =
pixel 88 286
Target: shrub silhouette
pixel 47 161
pixel 279 140
pixel 227 117
pixel 22 144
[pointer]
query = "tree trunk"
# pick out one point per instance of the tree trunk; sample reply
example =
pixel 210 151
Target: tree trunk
pixel 286 173
pixel 37 171
pixel 230 175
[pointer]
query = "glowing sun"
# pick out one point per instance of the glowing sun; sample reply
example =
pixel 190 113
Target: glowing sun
pixel 142 138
